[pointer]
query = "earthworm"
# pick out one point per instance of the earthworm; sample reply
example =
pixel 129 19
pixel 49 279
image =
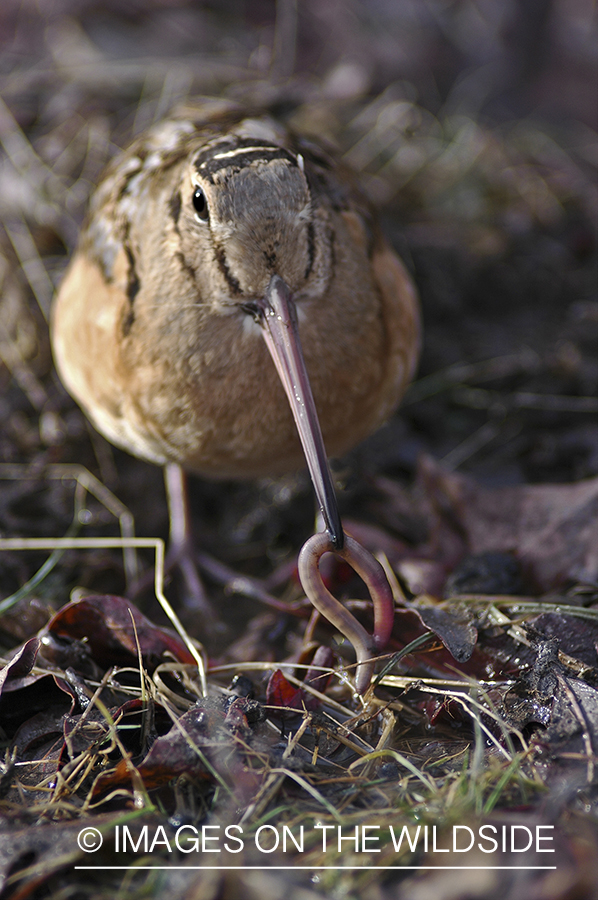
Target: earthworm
pixel 371 571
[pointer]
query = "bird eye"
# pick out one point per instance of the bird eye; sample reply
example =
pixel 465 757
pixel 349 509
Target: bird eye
pixel 200 204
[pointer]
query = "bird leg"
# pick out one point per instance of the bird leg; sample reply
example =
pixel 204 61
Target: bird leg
pixel 180 552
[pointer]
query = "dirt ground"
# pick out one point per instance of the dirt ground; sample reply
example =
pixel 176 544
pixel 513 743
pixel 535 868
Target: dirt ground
pixel 472 125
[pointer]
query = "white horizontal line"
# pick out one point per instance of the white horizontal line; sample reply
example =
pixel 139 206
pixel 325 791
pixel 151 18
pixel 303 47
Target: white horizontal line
pixel 314 868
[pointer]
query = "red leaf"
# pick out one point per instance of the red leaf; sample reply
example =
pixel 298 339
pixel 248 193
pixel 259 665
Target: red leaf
pixel 104 621
pixel 170 755
pixel 281 692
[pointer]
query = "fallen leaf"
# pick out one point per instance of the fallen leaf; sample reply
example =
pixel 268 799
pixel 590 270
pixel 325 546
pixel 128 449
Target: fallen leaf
pixel 551 528
pixel 104 621
pixel 455 629
pixel 281 693
pixel 576 637
pixel 172 754
pixel 21 664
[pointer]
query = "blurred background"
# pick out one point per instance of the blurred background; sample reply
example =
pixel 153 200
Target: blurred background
pixel 472 125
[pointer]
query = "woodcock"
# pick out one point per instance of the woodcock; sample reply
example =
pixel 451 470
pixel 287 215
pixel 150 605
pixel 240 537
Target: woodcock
pixel 212 231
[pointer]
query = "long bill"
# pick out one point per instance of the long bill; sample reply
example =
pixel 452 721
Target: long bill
pixel 278 318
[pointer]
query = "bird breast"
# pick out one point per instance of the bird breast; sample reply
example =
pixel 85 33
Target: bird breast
pixel 153 341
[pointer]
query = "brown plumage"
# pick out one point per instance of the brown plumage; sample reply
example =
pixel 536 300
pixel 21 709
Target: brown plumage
pixel 154 329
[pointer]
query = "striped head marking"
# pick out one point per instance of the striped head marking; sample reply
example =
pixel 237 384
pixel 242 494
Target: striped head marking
pixel 250 198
